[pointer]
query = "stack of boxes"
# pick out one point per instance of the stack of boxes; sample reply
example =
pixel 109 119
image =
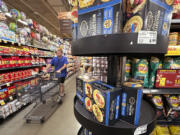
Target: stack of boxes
pixel 108 104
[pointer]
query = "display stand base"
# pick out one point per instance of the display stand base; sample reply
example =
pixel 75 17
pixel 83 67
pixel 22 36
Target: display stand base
pixel 146 126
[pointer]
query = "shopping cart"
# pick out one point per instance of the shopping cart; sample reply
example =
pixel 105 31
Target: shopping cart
pixel 45 97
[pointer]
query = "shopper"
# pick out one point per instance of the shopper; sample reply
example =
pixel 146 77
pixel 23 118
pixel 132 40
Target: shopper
pixel 60 63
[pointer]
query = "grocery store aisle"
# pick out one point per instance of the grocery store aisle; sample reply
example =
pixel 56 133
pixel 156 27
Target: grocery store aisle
pixel 62 122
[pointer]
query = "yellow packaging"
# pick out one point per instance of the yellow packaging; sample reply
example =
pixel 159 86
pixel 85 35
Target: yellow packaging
pixel 173 38
pixel 154 132
pixel 162 130
pixel 174 130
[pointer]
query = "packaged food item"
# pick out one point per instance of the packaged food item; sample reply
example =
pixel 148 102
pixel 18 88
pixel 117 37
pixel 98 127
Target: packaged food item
pixel 100 19
pixel 173 38
pixel 128 69
pixel 80 87
pixel 154 132
pixel 155 63
pixel 174 130
pixel 158 102
pixel 173 108
pixel 150 15
pixel 162 130
pixel 140 70
pixel 131 105
pixel 105 102
pixel 132 84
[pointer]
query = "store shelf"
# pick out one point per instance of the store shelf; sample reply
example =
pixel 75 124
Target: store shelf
pixel 14 55
pixel 165 122
pixel 19 44
pixel 121 44
pixel 173 51
pixel 175 21
pixel 8 83
pixel 147 119
pixel 161 91
pixel 22 67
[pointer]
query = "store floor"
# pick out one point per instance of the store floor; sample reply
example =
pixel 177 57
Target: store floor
pixel 62 122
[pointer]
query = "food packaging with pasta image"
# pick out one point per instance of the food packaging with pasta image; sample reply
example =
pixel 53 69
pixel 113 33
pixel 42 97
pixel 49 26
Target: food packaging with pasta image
pixel 148 15
pixel 131 105
pixel 80 87
pixel 105 103
pixel 105 18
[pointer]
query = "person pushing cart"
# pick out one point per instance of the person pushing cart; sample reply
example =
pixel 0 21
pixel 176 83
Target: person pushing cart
pixel 60 63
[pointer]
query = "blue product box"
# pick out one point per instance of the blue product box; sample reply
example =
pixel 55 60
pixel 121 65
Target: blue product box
pixel 80 87
pixel 104 18
pixel 103 103
pixel 131 105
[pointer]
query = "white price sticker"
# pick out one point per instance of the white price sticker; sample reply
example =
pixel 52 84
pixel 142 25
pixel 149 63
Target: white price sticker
pixel 147 37
pixel 141 130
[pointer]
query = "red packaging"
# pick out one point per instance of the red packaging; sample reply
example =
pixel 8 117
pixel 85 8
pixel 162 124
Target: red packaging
pixel 6 77
pixel 168 78
pixel 16 75
pixel 1 62
pixel 11 76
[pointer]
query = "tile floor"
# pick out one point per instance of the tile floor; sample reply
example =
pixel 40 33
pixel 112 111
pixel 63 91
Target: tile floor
pixel 62 122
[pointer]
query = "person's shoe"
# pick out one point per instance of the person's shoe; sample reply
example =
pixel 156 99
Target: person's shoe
pixel 62 95
pixel 59 99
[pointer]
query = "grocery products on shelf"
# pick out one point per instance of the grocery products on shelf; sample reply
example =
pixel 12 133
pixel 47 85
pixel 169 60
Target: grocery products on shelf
pixel 144 71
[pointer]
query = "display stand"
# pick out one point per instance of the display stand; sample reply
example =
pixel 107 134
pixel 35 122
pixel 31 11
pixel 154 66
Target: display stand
pixel 146 126
pixel 124 44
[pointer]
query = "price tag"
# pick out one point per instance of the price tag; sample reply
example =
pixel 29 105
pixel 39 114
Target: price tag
pixel 2 102
pixel 8 84
pixel 147 37
pixel 11 98
pixel 141 130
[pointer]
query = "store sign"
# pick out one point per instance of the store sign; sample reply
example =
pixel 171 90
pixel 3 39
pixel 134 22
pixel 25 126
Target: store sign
pixel 173 51
pixel 147 37
pixel 168 78
pixel 65 22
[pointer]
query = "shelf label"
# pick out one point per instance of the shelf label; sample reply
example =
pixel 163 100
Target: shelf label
pixel 173 51
pixel 2 102
pixel 141 130
pixel 147 37
pixel 8 84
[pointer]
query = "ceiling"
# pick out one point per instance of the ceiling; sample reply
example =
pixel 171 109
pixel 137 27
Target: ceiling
pixel 44 12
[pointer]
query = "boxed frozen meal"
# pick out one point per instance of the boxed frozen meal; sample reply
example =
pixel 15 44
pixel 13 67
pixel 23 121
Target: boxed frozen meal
pixel 81 88
pixel 150 15
pixel 103 102
pixel 131 105
pixel 104 18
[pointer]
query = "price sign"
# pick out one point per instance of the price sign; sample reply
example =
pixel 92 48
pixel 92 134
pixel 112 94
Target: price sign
pixel 147 37
pixel 168 78
pixel 173 51
pixel 2 102
pixel 141 130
